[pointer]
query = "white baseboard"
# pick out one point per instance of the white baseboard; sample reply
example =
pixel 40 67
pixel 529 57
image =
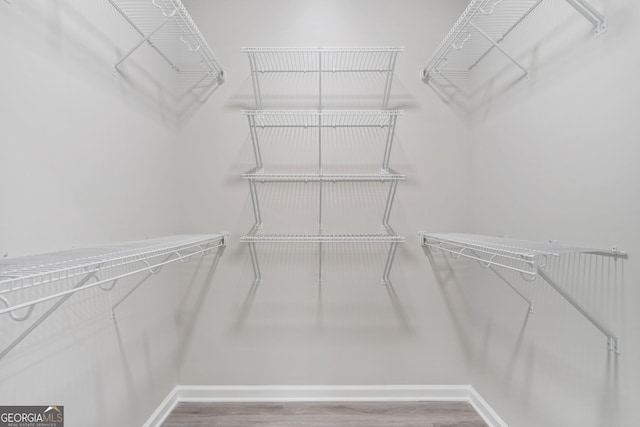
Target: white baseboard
pixel 339 393
pixel 162 412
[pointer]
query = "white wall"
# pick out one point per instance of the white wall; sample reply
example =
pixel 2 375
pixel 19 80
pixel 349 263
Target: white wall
pixel 86 158
pixel 351 330
pixel 557 158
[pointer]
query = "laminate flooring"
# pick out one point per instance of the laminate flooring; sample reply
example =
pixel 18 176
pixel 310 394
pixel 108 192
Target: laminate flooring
pixel 365 414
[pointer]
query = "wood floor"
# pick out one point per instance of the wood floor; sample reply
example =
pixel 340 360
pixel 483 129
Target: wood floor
pixel 369 414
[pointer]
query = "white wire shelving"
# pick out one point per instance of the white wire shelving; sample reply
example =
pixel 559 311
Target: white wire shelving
pixel 322 60
pixel 167 27
pixel 528 258
pixel 480 29
pixel 37 279
pixel 322 120
pixel 389 238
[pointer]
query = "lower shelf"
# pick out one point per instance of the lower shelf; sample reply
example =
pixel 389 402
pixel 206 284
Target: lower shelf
pixel 28 281
pixel 391 239
pixel 322 238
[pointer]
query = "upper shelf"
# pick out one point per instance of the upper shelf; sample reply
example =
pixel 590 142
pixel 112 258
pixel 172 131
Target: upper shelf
pixel 169 29
pixel 322 61
pixel 482 27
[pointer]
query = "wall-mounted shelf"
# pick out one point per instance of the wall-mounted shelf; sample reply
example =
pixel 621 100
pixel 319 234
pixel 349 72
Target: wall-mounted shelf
pixel 525 257
pixel 167 27
pixel 31 280
pixel 391 239
pixel 321 60
pixel 265 177
pixel 322 120
pixel 481 28
pixel 393 179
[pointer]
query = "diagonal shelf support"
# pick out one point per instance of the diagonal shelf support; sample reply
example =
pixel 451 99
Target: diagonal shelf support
pixel 142 41
pixel 597 19
pixel 612 340
pixel 500 48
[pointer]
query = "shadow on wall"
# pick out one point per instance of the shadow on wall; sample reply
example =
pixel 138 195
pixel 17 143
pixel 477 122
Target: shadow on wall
pixel 91 36
pixel 503 338
pixel 190 302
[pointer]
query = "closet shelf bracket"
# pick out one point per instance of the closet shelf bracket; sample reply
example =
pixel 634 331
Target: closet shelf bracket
pixel 524 257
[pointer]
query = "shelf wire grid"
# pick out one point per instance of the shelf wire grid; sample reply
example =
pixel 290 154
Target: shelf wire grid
pixel 37 270
pixel 322 238
pixel 334 59
pixel 263 177
pixel 178 40
pixel 465 46
pixel 523 256
pixel 322 118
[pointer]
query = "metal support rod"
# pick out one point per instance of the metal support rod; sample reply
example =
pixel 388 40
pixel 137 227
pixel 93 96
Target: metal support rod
pixel 389 204
pixel 506 33
pixel 132 290
pixel 320 80
pixel 254 264
pixel 497 46
pixel 139 31
pixel 255 142
pixel 516 290
pixel 256 205
pixel 146 38
pixel 387 267
pixel 42 318
pixel 389 80
pixel 255 81
pixel 320 263
pixel 612 340
pixel 591 14
pixel 387 150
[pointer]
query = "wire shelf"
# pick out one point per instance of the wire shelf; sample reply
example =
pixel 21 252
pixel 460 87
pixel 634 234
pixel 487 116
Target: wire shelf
pixel 523 256
pixel 481 28
pixel 526 257
pixel 322 238
pixel 169 29
pixel 322 118
pixel 322 59
pixel 81 269
pixel 21 273
pixel 263 177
